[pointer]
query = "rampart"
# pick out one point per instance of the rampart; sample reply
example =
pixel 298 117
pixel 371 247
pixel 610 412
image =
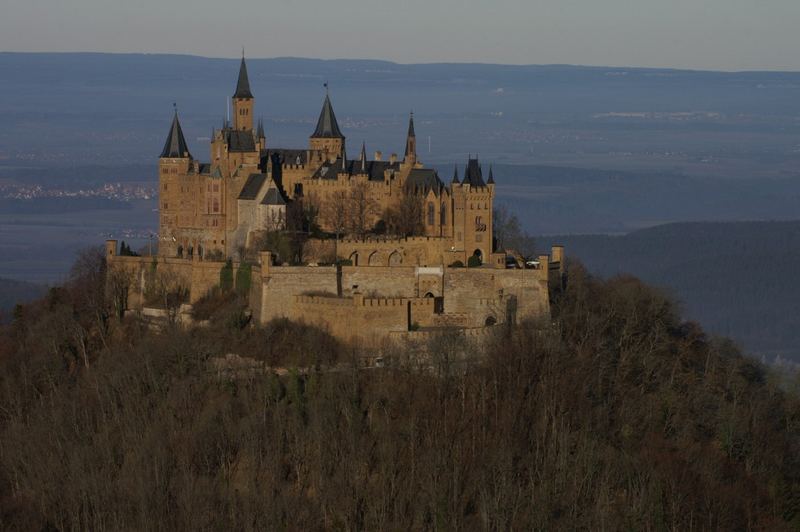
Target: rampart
pixel 363 303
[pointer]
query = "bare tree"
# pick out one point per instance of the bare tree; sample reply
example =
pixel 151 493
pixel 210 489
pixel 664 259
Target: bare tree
pixel 361 210
pixel 406 218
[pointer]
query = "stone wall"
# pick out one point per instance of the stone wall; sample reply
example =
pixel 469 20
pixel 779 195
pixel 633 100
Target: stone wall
pixel 374 301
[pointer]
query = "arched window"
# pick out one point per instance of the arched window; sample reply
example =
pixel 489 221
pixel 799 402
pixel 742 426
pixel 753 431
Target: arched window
pixel 216 205
pixel 443 214
pixel 431 214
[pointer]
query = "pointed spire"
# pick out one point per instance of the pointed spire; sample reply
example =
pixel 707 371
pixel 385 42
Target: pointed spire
pixel 455 174
pixel 327 127
pixel 243 84
pixel 363 157
pixel 260 133
pixel 411 139
pixel 491 176
pixel 175 147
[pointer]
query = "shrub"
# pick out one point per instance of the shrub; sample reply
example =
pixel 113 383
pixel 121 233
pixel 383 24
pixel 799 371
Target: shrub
pixel 226 277
pixel 243 275
pixel 474 261
pixel 457 264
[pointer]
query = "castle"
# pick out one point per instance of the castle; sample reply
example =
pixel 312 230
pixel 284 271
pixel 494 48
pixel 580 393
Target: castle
pixel 396 239
pixel 217 207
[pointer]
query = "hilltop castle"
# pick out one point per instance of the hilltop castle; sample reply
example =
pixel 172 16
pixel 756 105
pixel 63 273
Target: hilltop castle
pixel 389 251
pixel 217 207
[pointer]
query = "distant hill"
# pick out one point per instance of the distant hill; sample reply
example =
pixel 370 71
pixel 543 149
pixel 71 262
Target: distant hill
pixel 737 279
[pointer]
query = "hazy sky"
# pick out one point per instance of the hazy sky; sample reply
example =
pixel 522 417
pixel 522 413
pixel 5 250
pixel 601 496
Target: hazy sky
pixel 705 34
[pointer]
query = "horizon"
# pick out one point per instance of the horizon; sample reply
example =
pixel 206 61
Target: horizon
pixel 715 35
pixel 403 63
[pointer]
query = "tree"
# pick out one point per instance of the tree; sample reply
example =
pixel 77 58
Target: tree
pixel 361 211
pixel 509 234
pixel 406 218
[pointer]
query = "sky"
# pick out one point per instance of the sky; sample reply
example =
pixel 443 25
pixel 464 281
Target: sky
pixel 697 34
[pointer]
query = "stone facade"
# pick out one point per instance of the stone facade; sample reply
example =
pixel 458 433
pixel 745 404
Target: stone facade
pixel 364 304
pixel 211 209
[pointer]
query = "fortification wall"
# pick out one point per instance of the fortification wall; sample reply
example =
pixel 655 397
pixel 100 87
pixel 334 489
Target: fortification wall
pixel 376 300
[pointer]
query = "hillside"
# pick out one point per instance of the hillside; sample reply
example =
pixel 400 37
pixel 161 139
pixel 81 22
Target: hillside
pixel 738 279
pixel 614 414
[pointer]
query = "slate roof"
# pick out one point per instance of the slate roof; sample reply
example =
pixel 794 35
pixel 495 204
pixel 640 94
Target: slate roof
pixel 491 176
pixel 455 175
pixel 424 179
pixel 243 83
pixel 273 197
pixel 374 169
pixel 284 156
pixel 204 169
pixel 473 175
pixel 327 127
pixel 175 147
pixel 240 141
pixel 252 186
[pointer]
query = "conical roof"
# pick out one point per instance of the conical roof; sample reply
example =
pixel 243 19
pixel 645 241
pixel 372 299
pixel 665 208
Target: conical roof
pixel 455 175
pixel 491 176
pixel 243 84
pixel 327 127
pixel 473 175
pixel 175 147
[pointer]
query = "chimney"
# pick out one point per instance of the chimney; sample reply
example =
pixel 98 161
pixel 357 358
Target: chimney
pixel 393 158
pixel 378 156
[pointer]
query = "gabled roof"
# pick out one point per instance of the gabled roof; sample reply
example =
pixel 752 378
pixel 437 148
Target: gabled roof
pixel 424 179
pixel 252 186
pixel 473 175
pixel 327 127
pixel 175 147
pixel 273 197
pixel 243 83
pixel 240 141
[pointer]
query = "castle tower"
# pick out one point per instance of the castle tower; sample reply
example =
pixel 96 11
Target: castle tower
pixel 411 143
pixel 473 200
pixel 327 137
pixel 243 101
pixel 173 165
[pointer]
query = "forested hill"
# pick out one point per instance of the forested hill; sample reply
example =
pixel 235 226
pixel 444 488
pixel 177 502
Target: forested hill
pixel 614 414
pixel 737 279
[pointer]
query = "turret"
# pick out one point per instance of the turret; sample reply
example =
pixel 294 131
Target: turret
pixel 175 147
pixel 327 137
pixel 243 101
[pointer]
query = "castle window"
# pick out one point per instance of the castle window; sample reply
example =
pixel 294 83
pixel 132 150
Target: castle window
pixel 216 187
pixel 216 205
pixel 431 214
pixel 165 186
pixel 443 214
